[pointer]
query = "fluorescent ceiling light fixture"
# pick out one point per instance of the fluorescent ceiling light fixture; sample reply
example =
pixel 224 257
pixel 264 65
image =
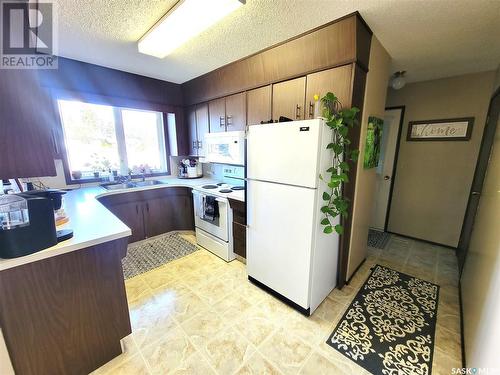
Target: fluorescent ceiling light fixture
pixel 184 21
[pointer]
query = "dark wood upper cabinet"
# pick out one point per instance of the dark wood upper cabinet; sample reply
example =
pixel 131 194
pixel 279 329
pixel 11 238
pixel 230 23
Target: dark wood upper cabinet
pixel 27 146
pixel 236 111
pixel 202 126
pixel 336 80
pixel 217 111
pixel 259 105
pixel 288 99
pixel 192 130
pixel 228 114
pixel 340 42
pixel 197 123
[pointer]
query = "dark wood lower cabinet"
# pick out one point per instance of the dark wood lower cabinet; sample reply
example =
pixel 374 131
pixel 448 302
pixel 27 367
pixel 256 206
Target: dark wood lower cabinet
pixel 168 213
pixel 240 239
pixel 131 214
pixel 65 314
pixel 149 213
pixel 239 227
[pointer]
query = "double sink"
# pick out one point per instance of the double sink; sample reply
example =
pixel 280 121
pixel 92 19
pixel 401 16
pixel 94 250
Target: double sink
pixel 131 184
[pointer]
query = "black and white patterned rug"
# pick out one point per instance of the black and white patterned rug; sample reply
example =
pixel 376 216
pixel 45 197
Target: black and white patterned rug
pixel 378 239
pixel 154 252
pixel 390 325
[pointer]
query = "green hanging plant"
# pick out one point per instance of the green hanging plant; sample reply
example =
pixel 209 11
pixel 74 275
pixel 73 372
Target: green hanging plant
pixel 339 120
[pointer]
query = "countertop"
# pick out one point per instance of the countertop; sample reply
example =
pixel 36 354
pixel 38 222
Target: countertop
pixel 92 223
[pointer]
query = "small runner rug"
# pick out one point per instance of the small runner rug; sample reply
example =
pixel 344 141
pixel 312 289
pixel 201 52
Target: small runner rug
pixel 390 325
pixel 154 252
pixel 378 239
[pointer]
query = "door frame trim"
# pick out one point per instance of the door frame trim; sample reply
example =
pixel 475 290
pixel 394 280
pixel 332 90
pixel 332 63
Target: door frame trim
pixel 462 252
pixel 395 164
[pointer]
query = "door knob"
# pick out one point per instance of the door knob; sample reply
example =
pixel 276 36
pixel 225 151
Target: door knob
pixel 387 177
pixel 476 193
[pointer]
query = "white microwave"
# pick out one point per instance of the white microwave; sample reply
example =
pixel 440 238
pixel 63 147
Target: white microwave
pixel 226 148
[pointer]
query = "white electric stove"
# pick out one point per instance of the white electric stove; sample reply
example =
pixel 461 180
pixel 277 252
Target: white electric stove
pixel 215 233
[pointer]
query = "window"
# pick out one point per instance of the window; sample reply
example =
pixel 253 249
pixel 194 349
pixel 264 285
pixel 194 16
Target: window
pixel 101 139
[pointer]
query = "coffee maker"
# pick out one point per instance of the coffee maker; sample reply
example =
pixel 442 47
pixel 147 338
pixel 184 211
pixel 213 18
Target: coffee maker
pixel 27 223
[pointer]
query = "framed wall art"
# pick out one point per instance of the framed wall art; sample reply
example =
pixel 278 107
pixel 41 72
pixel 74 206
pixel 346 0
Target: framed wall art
pixel 457 129
pixel 373 142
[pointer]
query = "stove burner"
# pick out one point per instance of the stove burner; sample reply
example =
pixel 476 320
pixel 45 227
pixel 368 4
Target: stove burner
pixel 225 191
pixel 238 188
pixel 220 184
pixel 209 187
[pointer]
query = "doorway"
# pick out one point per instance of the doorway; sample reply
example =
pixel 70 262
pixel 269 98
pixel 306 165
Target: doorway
pixel 386 169
pixel 487 141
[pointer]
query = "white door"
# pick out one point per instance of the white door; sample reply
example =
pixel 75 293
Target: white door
pixel 384 177
pixel 280 236
pixel 286 152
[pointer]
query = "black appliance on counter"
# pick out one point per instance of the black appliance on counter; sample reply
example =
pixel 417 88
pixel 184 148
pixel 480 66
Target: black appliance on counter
pixel 27 222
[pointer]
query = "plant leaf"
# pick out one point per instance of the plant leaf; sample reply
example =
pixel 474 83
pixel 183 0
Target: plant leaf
pixel 339 229
pixel 326 196
pixel 325 221
pixel 328 229
pixel 337 149
pixel 344 166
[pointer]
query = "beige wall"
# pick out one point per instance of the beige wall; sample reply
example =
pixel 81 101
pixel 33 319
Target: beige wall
pixel 481 277
pixel 374 105
pixel 433 179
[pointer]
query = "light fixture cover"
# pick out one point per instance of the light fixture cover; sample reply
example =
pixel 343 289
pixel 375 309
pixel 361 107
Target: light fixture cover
pixel 184 21
pixel 398 81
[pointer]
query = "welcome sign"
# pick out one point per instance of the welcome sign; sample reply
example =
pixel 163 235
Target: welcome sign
pixel 458 129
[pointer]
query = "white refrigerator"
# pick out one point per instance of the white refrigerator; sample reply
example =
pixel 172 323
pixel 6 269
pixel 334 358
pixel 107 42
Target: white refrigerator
pixel 287 252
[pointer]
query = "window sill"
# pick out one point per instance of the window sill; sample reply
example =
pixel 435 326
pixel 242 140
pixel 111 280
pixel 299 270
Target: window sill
pixel 104 179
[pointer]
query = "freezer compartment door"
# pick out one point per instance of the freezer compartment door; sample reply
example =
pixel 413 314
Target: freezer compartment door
pixel 285 152
pixel 279 238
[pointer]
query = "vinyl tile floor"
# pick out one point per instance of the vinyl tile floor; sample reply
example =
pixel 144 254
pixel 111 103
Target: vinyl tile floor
pixel 200 315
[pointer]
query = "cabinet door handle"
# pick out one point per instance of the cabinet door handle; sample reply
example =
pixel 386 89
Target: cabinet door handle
pixel 229 121
pixel 297 111
pixel 311 109
pixel 194 144
pixel 200 144
pixel 222 121
pixel 137 209
pixel 147 207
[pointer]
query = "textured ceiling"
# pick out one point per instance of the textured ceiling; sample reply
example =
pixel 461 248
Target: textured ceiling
pixel 428 38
